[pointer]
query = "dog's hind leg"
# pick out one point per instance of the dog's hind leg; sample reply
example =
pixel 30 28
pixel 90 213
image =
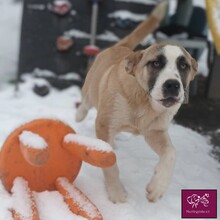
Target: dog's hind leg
pixel 82 110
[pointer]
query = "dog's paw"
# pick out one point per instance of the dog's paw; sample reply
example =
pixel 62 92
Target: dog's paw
pixel 157 187
pixel 116 193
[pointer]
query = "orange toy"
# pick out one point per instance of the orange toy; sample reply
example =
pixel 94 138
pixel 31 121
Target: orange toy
pixel 47 155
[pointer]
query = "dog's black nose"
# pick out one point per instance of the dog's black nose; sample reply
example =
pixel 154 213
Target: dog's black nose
pixel 171 88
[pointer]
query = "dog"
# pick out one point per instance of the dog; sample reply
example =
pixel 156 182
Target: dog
pixel 138 92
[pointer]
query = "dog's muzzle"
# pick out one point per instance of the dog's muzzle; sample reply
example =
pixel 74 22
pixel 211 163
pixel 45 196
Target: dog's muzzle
pixel 171 89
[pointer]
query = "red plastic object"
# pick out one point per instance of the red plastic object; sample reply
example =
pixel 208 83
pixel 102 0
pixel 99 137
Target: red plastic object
pixel 91 50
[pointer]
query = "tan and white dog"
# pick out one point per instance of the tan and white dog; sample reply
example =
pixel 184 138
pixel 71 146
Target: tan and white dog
pixel 138 92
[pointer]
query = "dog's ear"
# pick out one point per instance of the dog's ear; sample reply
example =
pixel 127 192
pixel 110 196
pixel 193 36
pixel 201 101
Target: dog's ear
pixel 131 62
pixel 192 76
pixel 186 95
pixel 194 64
pixel 194 68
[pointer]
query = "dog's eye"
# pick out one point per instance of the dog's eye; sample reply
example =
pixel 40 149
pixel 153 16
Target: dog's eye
pixel 183 66
pixel 156 64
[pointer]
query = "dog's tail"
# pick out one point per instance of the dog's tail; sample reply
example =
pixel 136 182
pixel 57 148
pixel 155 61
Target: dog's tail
pixel 146 27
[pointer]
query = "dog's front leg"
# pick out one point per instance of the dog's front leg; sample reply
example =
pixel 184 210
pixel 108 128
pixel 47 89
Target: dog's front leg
pixel 161 144
pixel 115 189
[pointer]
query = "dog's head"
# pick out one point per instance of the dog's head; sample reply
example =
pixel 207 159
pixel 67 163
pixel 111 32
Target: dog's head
pixel 164 72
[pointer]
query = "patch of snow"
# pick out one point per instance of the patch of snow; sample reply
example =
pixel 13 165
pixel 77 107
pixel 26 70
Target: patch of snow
pixel 43 73
pixel 40 74
pixel 70 76
pixel 124 14
pixel 139 1
pixel 77 34
pixel 22 202
pixel 6 204
pixel 52 202
pixel 41 82
pixel 32 140
pixel 90 143
pixel 108 36
pixel 61 2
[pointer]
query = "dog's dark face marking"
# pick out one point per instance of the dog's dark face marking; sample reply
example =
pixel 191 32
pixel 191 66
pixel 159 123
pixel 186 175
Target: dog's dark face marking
pixel 184 69
pixel 154 67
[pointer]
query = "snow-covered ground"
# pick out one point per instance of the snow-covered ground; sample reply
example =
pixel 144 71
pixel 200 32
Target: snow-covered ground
pixel 195 168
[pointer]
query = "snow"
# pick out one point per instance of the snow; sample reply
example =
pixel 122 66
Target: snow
pixel 76 33
pixel 195 168
pixel 123 14
pixel 52 202
pixel 22 202
pixel 43 73
pixel 61 2
pixel 107 35
pixel 70 76
pixel 90 143
pixel 6 204
pixel 32 140
pixel 139 1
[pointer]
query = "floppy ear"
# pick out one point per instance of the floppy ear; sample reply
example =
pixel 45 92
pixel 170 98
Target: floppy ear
pixel 131 62
pixel 186 95
pixel 194 68
pixel 192 76
pixel 194 64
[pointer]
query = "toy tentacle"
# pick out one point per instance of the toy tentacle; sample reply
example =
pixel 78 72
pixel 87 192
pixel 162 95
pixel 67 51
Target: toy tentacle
pixel 78 203
pixel 25 203
pixel 93 151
